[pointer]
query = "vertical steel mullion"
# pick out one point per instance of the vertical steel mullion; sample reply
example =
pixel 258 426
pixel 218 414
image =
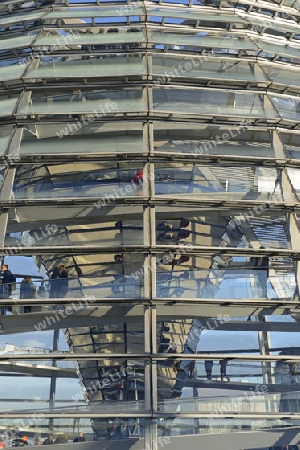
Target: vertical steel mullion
pixel 278 146
pixel 7 187
pixel 150 312
pixel 3 226
pixel 148 376
pixel 294 231
pixel 148 220
pixel 52 393
pixel 13 147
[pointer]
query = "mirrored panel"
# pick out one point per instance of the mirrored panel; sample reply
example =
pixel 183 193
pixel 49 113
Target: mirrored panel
pixel 282 75
pixel 195 41
pixel 108 181
pixel 258 371
pixel 191 276
pixel 92 38
pixel 76 67
pixel 293 175
pixel 288 107
pixel 291 143
pixel 81 139
pixel 205 67
pixel 5 136
pixel 89 103
pixel 197 179
pixel 74 225
pixel 187 226
pixel 224 429
pixel 80 386
pixel 40 430
pixel 194 140
pixel 211 103
pixel 88 275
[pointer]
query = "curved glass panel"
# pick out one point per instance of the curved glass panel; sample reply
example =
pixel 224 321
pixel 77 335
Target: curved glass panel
pixel 149 226
pixel 211 103
pixel 196 179
pixel 93 104
pixel 60 431
pixel 85 139
pixel 109 385
pixel 205 67
pixel 77 67
pixel 7 106
pixel 291 144
pixel 287 106
pixel 105 183
pixel 178 225
pixel 91 38
pixel 16 42
pixel 233 283
pixel 83 226
pixel 195 139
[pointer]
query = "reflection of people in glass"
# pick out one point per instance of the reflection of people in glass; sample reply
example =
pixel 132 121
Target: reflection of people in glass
pixel 164 226
pixel 166 236
pixel 48 441
pixel 20 441
pixel 138 178
pixel 77 96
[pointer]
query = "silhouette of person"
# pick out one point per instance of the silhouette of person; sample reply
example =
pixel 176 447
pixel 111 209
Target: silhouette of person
pixel 223 365
pixel 54 283
pixel 80 438
pixel 208 368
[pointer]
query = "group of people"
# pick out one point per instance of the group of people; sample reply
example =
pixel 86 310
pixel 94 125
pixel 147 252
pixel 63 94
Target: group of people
pixel 167 231
pixel 59 286
pixel 20 441
pixel 63 439
pixel 209 367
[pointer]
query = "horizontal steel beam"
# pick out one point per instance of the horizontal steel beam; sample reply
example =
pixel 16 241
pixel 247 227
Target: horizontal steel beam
pixel 203 203
pixel 146 357
pixel 170 415
pixel 155 249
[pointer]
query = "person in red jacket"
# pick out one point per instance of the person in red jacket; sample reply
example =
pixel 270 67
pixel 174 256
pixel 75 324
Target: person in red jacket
pixel 138 178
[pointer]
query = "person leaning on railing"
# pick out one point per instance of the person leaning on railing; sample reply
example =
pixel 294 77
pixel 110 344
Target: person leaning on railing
pixel 8 284
pixel 8 279
pixel 27 290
